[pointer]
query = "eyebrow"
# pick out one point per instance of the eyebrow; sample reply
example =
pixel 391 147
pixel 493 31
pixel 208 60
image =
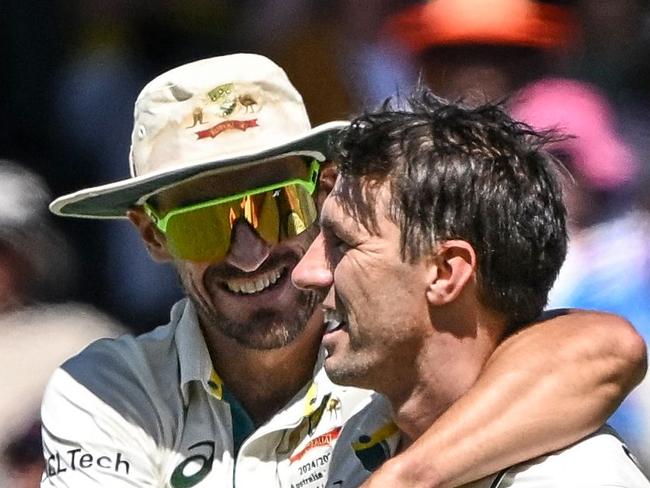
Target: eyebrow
pixel 329 224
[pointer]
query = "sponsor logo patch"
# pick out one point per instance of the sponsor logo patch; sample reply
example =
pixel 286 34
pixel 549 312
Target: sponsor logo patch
pixel 196 467
pixel 321 441
pixel 78 459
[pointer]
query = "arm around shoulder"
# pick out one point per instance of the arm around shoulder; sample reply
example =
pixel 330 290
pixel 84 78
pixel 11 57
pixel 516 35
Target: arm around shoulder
pixel 545 387
pixel 591 358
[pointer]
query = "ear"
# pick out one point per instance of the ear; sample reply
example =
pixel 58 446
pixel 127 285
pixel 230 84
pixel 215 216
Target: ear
pixel 326 180
pixel 153 239
pixel 451 269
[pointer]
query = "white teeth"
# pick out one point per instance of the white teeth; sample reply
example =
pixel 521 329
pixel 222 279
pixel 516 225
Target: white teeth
pixel 332 325
pixel 333 319
pixel 254 285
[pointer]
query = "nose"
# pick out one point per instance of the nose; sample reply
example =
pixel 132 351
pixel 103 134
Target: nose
pixel 314 270
pixel 247 249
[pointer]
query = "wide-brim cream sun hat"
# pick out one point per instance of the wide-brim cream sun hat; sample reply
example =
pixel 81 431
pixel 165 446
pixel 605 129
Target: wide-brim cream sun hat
pixel 203 117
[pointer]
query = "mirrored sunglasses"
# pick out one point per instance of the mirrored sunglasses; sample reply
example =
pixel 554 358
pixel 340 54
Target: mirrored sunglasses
pixel 202 231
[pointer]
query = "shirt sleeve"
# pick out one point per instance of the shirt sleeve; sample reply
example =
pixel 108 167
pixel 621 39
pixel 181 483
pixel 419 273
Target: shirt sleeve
pixel 89 444
pixel 599 461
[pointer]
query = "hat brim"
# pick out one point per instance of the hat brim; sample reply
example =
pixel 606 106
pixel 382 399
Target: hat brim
pixel 113 200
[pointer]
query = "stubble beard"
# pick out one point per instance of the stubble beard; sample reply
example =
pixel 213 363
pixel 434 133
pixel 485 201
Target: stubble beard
pixel 349 373
pixel 352 366
pixel 266 329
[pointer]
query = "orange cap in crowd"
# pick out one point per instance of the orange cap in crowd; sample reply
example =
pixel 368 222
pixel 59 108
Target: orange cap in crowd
pixel 511 22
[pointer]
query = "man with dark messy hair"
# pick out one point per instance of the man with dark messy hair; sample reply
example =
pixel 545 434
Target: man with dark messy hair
pixel 441 237
pixel 477 174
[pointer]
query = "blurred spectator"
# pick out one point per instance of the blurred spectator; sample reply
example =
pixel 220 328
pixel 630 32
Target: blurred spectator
pixel 310 40
pixel 35 259
pixel 615 55
pixel 608 263
pixel 35 340
pixel 613 52
pixel 36 268
pixel 483 50
pixel 94 91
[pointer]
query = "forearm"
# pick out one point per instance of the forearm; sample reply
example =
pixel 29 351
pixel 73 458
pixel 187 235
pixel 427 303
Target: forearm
pixel 543 389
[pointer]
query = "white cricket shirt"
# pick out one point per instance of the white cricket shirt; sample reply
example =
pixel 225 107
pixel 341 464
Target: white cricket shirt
pixel 598 461
pixel 150 411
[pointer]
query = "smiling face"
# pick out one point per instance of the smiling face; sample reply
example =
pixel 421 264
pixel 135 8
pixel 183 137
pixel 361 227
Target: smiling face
pixel 376 305
pixel 248 294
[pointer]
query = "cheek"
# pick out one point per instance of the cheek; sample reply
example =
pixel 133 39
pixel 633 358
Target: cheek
pixel 376 294
pixel 300 243
pixel 191 275
pixel 304 240
pixel 358 286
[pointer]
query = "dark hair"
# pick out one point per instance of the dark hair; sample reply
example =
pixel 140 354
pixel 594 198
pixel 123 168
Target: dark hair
pixel 467 173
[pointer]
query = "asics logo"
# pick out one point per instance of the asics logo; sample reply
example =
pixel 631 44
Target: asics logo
pixel 196 467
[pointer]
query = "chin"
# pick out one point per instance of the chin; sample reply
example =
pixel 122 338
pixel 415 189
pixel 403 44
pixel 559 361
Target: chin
pixel 344 373
pixel 272 332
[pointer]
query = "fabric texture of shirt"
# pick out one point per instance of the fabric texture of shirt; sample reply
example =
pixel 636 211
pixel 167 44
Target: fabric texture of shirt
pixel 150 411
pixel 600 460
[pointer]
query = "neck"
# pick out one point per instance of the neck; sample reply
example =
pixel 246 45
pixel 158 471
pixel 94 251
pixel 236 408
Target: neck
pixel 446 368
pixel 433 393
pixel 264 381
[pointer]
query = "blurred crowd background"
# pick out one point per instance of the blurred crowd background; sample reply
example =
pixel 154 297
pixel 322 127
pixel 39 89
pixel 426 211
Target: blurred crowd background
pixel 71 71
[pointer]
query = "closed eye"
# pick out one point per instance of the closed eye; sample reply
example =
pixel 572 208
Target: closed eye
pixel 335 247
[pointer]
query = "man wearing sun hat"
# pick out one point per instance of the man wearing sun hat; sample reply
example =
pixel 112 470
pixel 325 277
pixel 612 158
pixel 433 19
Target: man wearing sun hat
pixel 227 178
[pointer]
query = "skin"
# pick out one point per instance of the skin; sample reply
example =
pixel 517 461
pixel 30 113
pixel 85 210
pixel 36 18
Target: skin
pixel 361 259
pixel 490 373
pixel 281 365
pixel 267 320
pixel 603 344
pixel 272 336
pixel 424 317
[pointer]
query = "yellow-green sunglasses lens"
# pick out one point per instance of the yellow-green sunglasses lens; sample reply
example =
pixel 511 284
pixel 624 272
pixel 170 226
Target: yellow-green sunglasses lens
pixel 199 235
pixel 204 233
